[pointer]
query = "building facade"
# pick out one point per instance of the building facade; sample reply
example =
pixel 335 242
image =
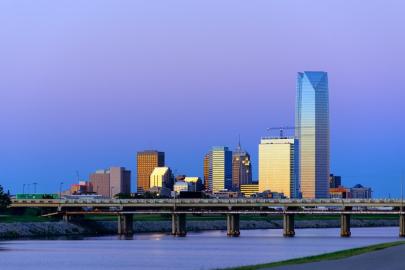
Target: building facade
pixel 112 181
pixel 249 189
pixel 335 181
pixel 241 168
pixel 147 161
pixel 161 177
pixel 207 166
pixel 279 166
pixel 360 192
pixel 219 169
pixel 312 130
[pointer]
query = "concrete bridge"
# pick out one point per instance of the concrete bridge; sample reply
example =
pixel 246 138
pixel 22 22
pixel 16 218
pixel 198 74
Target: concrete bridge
pixel 125 209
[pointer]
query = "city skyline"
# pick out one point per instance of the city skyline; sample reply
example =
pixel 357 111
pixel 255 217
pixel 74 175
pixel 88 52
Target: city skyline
pixel 181 85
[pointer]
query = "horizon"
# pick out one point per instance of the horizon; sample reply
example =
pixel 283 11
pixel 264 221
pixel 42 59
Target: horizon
pixel 99 83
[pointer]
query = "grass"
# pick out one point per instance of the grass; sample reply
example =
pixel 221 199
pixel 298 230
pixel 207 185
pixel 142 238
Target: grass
pixel 327 256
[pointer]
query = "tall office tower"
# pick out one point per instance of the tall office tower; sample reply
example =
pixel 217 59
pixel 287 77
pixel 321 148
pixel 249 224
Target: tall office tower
pixel 335 181
pixel 312 130
pixel 161 177
pixel 279 166
pixel 111 181
pixel 207 166
pixel 220 171
pixel 241 168
pixel 147 161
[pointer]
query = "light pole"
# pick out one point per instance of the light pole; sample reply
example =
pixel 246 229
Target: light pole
pixel 60 190
pixel 23 188
pixel 35 187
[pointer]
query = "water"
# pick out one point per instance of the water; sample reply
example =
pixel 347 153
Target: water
pixel 206 250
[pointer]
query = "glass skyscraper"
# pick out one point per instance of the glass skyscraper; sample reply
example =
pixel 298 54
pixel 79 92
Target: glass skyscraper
pixel 312 130
pixel 219 169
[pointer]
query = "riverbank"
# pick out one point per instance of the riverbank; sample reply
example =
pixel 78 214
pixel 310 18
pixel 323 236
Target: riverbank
pixel 380 256
pixel 15 230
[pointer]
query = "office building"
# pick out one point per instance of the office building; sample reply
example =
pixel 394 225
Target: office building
pixel 194 183
pixel 279 166
pixel 161 177
pixel 360 192
pixel 147 161
pixel 207 162
pixel 249 189
pixel 334 181
pixel 312 130
pixel 111 181
pixel 241 168
pixel 181 187
pixel 219 169
pixel 83 187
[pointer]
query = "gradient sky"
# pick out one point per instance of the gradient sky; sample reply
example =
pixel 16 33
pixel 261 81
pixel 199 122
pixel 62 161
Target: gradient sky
pixel 84 85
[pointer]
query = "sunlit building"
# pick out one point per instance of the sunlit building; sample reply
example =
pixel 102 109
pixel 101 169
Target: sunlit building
pixel 312 130
pixel 219 169
pixel 207 162
pixel 249 189
pixel 147 161
pixel 278 166
pixel 161 177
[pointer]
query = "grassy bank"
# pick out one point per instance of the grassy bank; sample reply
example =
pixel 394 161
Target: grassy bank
pixel 328 256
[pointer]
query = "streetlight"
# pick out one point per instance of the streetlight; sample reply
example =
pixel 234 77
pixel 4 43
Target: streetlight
pixel 35 187
pixel 23 188
pixel 60 190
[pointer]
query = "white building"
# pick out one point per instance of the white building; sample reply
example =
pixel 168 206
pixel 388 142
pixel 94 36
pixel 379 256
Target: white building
pixel 161 177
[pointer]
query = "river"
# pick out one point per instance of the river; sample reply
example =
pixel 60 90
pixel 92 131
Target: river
pixel 205 250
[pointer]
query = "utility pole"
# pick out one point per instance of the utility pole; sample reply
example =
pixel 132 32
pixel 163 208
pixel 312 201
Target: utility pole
pixel 60 190
pixel 35 187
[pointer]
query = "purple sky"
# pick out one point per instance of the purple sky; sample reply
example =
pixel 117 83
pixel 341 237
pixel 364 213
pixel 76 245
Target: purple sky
pixel 86 84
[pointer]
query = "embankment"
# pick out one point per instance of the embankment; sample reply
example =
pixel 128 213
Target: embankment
pixel 48 229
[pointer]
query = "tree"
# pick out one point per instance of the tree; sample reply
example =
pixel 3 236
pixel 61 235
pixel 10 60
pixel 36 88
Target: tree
pixel 4 199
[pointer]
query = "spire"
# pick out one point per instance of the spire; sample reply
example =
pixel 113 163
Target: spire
pixel 239 146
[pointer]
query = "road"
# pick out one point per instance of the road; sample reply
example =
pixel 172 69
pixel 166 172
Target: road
pixel 386 259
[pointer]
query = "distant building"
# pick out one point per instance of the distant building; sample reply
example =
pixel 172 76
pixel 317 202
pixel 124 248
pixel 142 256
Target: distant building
pixel 180 186
pixel 194 183
pixel 278 166
pixel 249 189
pixel 335 181
pixel 271 195
pixel 161 177
pixel 312 131
pixel 225 194
pixel 111 181
pixel 207 165
pixel 360 192
pixel 339 193
pixel 241 168
pixel 147 161
pixel 83 187
pixel 219 169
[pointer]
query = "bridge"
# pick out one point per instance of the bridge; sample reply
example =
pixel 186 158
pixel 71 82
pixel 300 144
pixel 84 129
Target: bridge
pixel 125 209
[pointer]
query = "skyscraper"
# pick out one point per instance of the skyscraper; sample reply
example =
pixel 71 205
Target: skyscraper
pixel 312 130
pixel 241 168
pixel 112 181
pixel 147 161
pixel 207 162
pixel 279 166
pixel 219 169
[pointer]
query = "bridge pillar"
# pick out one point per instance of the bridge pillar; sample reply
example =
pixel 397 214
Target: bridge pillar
pixel 125 224
pixel 179 225
pixel 288 225
pixel 66 218
pixel 232 222
pixel 402 225
pixel 345 223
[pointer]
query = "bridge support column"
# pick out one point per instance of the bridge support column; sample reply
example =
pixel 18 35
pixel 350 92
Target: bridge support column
pixel 125 224
pixel 345 223
pixel 66 218
pixel 288 225
pixel 402 225
pixel 179 225
pixel 232 222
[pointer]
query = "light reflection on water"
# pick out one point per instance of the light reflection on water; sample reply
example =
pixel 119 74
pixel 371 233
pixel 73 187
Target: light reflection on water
pixel 203 250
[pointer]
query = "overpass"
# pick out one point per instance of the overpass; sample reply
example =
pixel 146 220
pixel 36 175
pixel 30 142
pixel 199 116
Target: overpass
pixel 125 209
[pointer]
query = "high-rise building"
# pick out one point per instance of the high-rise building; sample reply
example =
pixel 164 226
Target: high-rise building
pixel 241 168
pixel 219 169
pixel 279 166
pixel 161 177
pixel 111 181
pixel 207 162
pixel 147 161
pixel 312 130
pixel 249 189
pixel 335 181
